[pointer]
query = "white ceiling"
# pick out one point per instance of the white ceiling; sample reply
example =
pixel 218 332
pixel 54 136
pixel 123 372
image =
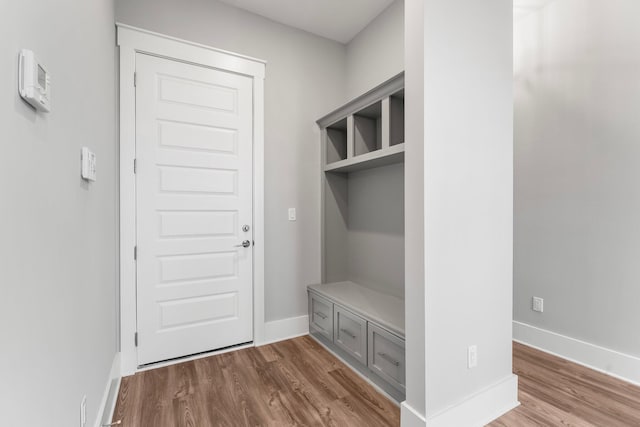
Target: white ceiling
pixel 338 20
pixel 341 20
pixel 522 8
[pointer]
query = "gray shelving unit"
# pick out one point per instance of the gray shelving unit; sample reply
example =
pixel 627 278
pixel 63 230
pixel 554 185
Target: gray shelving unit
pixel 358 309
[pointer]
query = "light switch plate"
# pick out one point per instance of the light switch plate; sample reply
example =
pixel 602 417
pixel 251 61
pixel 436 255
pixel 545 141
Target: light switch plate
pixel 292 214
pixel 88 164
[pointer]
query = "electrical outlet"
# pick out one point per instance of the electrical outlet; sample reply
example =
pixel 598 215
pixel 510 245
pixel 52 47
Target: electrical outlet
pixel 292 214
pixel 472 356
pixel 83 412
pixel 88 169
pixel 538 304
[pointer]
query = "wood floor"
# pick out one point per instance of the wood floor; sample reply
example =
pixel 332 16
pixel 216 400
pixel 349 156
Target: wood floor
pixel 555 392
pixel 290 383
pixel 297 382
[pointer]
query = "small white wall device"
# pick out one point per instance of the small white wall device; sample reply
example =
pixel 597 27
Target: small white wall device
pixel 88 164
pixel 34 81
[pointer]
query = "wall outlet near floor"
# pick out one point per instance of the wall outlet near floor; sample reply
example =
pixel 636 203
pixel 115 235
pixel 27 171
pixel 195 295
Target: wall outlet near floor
pixel 83 412
pixel 88 160
pixel 537 304
pixel 292 214
pixel 472 356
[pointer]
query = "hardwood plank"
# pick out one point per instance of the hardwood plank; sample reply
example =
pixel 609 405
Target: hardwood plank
pixel 290 383
pixel 298 382
pixel 556 392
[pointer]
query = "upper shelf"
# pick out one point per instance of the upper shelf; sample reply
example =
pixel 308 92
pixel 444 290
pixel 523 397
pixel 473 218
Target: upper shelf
pixel 382 157
pixel 368 131
pixel 391 86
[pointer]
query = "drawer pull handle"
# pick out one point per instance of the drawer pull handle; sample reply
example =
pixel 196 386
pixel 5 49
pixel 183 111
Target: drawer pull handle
pixel 320 315
pixel 389 359
pixel 348 332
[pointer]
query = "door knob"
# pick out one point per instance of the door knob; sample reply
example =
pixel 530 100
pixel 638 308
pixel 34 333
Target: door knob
pixel 244 244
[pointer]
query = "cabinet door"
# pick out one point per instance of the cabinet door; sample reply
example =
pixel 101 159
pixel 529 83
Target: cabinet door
pixel 386 356
pixel 320 316
pixel 350 333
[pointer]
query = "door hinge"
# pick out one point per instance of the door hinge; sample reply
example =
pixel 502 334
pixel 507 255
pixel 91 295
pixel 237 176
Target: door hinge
pixel 135 339
pixel 135 165
pixel 135 252
pixel 135 79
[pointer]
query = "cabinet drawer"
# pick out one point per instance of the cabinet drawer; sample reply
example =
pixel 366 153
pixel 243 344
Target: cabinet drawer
pixel 350 333
pixel 386 356
pixel 320 316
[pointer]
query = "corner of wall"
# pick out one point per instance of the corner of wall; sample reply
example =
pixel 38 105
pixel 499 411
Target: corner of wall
pixel 481 408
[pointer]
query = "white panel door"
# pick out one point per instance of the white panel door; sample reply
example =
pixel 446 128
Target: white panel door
pixel 194 136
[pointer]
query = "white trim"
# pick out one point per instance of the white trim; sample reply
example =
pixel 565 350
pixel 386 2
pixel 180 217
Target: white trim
pixel 481 408
pixel 601 359
pixel 409 417
pixel 162 44
pixel 105 412
pixel 258 211
pixel 132 41
pixel 284 329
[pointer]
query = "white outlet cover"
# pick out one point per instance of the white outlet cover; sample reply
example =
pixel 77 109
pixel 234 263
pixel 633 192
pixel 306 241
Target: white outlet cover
pixel 88 169
pixel 538 304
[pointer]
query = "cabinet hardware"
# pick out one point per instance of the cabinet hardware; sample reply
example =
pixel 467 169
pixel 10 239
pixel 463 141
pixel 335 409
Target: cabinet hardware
pixel 389 359
pixel 320 315
pixel 348 332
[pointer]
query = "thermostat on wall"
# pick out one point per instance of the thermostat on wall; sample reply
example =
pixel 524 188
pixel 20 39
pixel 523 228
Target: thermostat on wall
pixel 34 81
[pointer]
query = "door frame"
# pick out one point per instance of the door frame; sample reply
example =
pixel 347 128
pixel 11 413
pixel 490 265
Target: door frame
pixel 131 41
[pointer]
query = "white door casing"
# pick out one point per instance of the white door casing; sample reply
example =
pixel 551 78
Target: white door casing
pixel 194 196
pixel 132 42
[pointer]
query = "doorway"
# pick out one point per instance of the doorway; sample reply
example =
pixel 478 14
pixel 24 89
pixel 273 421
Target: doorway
pixel 191 207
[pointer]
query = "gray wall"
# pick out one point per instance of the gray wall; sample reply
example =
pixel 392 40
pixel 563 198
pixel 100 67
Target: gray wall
pixel 58 247
pixel 377 52
pixel 305 80
pixel 577 170
pixel 375 241
pixel 414 209
pixel 468 167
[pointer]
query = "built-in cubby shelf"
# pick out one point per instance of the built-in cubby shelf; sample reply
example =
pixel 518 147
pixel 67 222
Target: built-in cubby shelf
pixel 357 311
pixel 367 132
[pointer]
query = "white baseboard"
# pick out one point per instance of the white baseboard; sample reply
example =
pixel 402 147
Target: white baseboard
pixel 284 329
pixel 610 362
pixel 481 408
pixel 409 417
pixel 110 395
